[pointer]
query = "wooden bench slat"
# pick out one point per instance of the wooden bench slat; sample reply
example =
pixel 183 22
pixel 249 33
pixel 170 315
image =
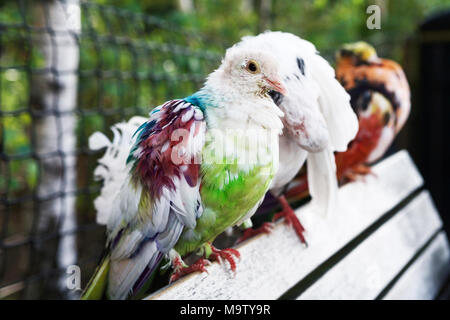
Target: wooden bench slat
pixel 368 269
pixel 272 264
pixel 425 277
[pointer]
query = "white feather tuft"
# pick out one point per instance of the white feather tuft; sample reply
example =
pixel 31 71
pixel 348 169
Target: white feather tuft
pixel 112 169
pixel 98 141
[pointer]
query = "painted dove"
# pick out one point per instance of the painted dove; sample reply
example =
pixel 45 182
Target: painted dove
pixel 380 96
pixel 187 179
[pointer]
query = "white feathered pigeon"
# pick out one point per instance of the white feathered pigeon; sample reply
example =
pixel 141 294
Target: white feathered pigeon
pixel 318 120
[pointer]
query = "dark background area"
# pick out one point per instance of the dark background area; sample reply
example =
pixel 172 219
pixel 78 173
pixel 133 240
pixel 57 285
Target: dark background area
pixel 427 134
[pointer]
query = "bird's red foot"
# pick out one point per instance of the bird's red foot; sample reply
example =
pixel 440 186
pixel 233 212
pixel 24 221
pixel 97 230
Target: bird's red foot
pixel 266 227
pixel 290 218
pixel 363 170
pixel 181 269
pixel 225 254
pixel 358 172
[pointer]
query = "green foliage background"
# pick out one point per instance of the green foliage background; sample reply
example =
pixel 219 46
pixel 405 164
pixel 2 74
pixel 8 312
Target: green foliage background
pixel 165 53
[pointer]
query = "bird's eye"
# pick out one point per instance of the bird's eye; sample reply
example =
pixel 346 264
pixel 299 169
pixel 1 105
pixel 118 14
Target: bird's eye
pixel 252 66
pixel 386 118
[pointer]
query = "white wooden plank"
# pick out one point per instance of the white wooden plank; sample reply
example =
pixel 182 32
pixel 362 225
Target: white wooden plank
pixel 364 272
pixel 425 277
pixel 271 264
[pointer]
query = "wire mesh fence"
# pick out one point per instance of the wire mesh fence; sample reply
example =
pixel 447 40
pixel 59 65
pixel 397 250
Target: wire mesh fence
pixel 67 69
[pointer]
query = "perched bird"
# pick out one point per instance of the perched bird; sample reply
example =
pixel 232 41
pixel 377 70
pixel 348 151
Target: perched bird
pixel 318 121
pixel 186 178
pixel 380 96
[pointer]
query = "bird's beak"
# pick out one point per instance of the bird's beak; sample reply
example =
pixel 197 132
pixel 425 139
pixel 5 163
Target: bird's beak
pixel 276 85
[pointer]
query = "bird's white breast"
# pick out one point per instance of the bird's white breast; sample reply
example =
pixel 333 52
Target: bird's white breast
pixel 291 160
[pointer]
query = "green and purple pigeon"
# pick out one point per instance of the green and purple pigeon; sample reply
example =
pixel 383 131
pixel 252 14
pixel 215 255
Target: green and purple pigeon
pixel 183 178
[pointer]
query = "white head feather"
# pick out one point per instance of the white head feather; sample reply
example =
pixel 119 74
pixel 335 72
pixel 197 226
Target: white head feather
pixel 241 85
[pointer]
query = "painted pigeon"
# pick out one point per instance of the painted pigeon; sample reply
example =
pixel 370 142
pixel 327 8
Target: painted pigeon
pixel 187 178
pixel 318 121
pixel 380 96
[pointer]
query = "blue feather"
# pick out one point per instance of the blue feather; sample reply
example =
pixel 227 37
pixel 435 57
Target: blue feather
pixel 143 132
pixel 200 99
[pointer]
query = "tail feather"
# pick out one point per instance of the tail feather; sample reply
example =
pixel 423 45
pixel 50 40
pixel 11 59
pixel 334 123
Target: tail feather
pixel 95 289
pixel 322 180
pixel 128 275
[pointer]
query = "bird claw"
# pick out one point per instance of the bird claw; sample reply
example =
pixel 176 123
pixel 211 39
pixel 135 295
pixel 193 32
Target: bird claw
pixel 364 170
pixel 266 227
pixel 181 269
pixel 359 172
pixel 226 254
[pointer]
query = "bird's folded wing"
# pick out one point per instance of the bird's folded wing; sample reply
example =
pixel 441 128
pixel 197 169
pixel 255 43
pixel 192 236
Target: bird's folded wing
pixel 334 102
pixel 163 176
pixel 159 193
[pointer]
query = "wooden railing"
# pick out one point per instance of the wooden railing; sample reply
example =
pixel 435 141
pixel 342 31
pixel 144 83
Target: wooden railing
pixel 383 240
